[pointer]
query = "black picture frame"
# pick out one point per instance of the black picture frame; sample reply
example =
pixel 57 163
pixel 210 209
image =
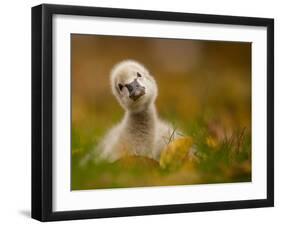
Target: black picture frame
pixel 42 107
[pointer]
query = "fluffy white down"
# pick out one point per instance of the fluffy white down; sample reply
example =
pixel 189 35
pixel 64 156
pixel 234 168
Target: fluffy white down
pixel 140 132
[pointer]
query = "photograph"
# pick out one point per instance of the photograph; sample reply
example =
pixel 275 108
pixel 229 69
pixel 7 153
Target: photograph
pixel 148 111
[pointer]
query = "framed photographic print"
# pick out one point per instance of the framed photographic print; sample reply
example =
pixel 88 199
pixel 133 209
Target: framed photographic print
pixel 146 112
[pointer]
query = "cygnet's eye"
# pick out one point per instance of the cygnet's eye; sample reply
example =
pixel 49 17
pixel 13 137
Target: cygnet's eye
pixel 139 75
pixel 120 86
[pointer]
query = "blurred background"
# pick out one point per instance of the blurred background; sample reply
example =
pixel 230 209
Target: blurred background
pixel 204 89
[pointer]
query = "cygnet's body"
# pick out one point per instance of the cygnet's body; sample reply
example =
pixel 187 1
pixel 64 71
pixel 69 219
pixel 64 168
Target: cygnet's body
pixel 140 132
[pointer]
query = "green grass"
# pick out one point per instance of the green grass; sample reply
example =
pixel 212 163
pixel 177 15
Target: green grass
pixel 216 161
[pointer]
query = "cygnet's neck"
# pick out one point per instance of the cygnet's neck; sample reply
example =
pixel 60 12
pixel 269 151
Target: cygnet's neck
pixel 142 120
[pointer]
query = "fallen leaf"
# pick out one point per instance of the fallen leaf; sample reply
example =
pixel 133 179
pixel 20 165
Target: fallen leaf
pixel 175 152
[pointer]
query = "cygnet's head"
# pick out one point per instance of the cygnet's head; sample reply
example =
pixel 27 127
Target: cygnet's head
pixel 133 86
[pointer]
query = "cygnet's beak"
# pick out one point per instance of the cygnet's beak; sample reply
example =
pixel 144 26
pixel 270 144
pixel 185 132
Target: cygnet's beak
pixel 135 90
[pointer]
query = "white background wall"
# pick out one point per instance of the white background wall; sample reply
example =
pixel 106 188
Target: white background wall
pixel 15 113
